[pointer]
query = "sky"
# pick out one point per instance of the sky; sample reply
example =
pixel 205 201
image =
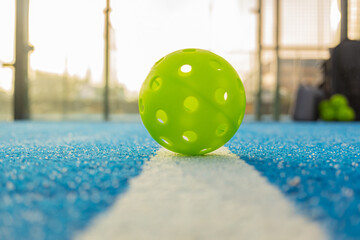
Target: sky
pixel 69 34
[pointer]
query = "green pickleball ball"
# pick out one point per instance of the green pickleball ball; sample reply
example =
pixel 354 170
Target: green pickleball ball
pixel 345 113
pixel 328 114
pixel 324 104
pixel 192 102
pixel 327 111
pixel 338 101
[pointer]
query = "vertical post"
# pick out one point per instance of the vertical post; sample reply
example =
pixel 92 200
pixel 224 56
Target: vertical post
pixel 106 61
pixel 276 111
pixel 344 20
pixel 258 101
pixel 22 48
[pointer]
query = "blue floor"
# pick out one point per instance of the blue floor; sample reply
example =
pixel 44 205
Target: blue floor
pixel 55 177
pixel 314 164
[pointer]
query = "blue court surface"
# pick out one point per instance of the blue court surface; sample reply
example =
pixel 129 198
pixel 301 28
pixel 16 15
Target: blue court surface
pixel 58 180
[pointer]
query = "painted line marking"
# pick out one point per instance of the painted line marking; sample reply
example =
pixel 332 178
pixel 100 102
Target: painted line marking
pixel 217 196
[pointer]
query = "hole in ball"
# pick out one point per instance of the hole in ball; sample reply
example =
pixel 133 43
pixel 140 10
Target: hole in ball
pixel 239 84
pixel 216 65
pixel 221 95
pixel 141 106
pixel 185 68
pixel 166 141
pixel 189 50
pixel 189 136
pixel 240 119
pixel 191 104
pixel 159 61
pixel 155 83
pixel 222 129
pixel 161 116
pixel 205 150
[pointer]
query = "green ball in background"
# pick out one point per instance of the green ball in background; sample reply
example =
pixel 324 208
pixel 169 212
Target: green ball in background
pixel 324 104
pixel 336 108
pixel 345 113
pixel 328 114
pixel 326 111
pixel 338 101
pixel 192 102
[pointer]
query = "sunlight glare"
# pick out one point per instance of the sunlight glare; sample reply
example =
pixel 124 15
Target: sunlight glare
pixel 7 21
pixel 335 15
pixel 67 31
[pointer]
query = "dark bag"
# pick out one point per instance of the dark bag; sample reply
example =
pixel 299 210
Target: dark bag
pixel 306 104
pixel 345 70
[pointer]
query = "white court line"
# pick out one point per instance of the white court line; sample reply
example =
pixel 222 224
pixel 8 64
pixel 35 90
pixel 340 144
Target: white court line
pixel 217 196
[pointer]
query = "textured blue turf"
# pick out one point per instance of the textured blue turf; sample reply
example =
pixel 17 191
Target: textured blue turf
pixel 314 164
pixel 54 177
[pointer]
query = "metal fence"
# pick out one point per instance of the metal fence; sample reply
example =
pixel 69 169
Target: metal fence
pixel 278 44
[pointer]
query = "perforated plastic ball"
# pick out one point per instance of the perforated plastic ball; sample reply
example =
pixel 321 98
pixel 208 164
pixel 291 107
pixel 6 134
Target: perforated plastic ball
pixel 346 113
pixel 338 101
pixel 192 102
pixel 328 114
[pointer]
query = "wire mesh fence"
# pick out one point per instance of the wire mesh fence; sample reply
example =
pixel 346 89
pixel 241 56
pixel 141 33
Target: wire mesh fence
pixel 308 29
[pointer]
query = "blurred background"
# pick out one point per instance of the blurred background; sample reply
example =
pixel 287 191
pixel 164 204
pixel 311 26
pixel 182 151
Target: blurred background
pixel 87 59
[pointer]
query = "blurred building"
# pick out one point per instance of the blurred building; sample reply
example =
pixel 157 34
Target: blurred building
pixel 292 73
pixel 63 95
pixel 5 104
pixel 306 31
pixel 354 19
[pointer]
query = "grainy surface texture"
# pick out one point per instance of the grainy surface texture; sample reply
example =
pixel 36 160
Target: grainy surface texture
pixel 217 196
pixel 54 177
pixel 314 164
pixel 58 179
